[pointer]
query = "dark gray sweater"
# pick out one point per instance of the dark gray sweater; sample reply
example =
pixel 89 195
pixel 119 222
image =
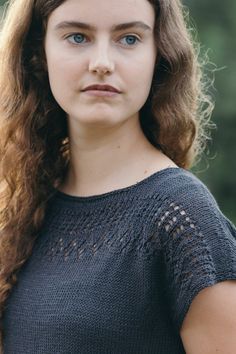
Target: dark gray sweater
pixel 116 273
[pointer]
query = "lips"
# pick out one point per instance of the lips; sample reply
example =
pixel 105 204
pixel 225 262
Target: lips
pixel 101 88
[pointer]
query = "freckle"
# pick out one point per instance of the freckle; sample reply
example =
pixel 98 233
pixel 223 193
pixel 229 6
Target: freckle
pixel 145 171
pixel 118 147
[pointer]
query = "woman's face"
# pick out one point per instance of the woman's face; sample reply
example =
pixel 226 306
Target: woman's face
pixel 91 42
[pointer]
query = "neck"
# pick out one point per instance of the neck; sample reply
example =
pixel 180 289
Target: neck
pixel 109 158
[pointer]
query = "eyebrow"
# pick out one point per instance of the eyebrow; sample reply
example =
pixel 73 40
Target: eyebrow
pixel 114 28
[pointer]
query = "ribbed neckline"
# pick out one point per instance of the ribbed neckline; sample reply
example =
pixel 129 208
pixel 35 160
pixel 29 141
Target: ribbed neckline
pixel 72 198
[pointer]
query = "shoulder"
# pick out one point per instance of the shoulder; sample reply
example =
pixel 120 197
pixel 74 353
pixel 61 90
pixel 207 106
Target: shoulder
pixel 191 211
pixel 182 184
pixel 189 199
pixel 180 199
pixel 178 188
pixel 198 241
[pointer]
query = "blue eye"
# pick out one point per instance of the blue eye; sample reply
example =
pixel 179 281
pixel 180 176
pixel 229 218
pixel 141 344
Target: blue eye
pixel 131 40
pixel 76 38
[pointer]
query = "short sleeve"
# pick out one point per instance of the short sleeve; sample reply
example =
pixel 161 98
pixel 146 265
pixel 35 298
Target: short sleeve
pixel 199 247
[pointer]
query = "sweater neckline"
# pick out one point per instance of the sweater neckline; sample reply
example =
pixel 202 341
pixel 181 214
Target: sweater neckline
pixel 75 198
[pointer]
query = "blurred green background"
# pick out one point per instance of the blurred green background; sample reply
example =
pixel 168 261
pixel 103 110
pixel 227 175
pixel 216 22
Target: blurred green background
pixel 216 24
pixel 215 21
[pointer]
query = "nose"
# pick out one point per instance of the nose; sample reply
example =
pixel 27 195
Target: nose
pixel 100 61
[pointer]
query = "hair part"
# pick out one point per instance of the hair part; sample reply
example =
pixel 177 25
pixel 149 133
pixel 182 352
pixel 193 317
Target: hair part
pixel 34 146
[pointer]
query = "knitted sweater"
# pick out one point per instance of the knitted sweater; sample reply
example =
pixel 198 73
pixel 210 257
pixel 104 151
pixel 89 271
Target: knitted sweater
pixel 116 273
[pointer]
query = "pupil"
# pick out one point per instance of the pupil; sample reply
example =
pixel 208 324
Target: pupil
pixel 78 38
pixel 130 39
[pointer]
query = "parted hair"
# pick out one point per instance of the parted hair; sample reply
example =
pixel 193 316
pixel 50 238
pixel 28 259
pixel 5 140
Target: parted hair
pixel 34 141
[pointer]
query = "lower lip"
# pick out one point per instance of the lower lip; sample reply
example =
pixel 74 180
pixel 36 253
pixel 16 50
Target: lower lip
pixel 100 93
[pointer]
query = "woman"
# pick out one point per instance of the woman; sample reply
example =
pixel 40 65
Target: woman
pixel 108 243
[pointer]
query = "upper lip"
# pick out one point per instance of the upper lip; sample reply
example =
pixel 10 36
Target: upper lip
pixel 102 88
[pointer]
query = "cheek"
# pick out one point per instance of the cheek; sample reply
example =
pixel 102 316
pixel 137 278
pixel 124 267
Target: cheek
pixel 61 70
pixel 142 69
pixel 61 67
pixel 139 80
pixel 142 75
pixel 65 80
pixel 60 80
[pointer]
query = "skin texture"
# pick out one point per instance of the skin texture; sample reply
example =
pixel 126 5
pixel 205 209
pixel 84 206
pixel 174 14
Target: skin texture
pixel 210 324
pixel 108 147
pixel 76 65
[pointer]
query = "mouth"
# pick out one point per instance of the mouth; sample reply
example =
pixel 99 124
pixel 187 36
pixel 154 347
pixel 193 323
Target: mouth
pixel 99 87
pixel 100 93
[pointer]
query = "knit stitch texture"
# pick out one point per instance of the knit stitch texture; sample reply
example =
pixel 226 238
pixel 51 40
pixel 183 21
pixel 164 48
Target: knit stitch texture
pixel 116 273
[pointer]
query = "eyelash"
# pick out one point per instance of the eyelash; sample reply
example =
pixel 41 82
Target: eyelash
pixel 82 34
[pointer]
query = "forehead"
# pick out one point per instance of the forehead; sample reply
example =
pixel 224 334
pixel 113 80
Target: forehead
pixel 103 13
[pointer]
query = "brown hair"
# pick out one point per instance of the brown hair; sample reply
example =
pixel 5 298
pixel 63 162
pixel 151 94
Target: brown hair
pixel 34 146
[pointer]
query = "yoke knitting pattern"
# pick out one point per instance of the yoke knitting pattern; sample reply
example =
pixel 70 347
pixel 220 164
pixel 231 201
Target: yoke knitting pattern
pixel 116 273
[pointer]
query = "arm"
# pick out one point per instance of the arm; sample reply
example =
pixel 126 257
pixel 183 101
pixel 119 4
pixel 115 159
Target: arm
pixel 210 323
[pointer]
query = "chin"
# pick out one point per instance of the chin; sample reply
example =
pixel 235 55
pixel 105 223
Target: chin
pixel 93 119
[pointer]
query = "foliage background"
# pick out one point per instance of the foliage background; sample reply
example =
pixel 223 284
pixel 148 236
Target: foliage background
pixel 216 26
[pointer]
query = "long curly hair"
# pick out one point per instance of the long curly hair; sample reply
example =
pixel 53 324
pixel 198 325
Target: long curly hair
pixel 34 146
